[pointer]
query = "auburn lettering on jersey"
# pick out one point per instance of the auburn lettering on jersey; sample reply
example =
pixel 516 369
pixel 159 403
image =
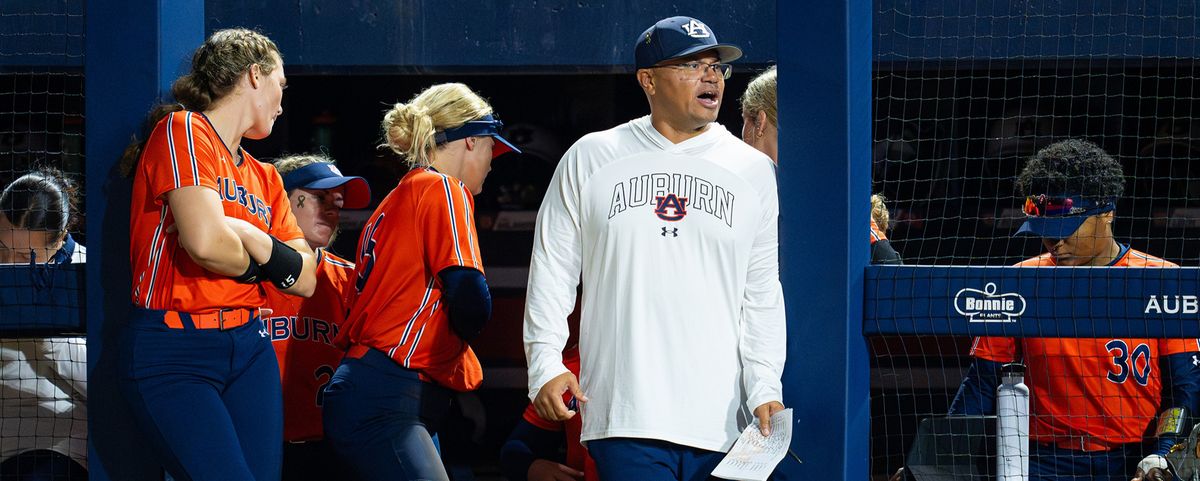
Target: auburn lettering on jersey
pixel 1105 389
pixel 426 224
pixel 164 275
pixel 302 332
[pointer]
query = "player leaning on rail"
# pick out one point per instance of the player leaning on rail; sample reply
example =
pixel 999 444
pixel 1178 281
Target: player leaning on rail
pixel 1092 400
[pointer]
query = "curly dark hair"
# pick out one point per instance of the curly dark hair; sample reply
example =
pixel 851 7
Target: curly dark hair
pixel 1076 167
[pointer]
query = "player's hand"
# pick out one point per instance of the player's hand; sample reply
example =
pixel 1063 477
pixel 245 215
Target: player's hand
pixel 763 414
pixel 549 402
pixel 1153 468
pixel 543 470
pixel 898 476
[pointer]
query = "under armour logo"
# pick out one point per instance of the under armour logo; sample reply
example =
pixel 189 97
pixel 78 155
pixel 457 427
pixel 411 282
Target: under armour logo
pixel 1195 360
pixel 695 29
pixel 674 232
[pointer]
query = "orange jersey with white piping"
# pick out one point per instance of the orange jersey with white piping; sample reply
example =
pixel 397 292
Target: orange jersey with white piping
pixel 302 331
pixel 1104 389
pixel 185 150
pixel 426 224
pixel 876 233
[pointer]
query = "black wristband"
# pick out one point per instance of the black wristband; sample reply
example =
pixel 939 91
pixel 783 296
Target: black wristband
pixel 283 269
pixel 251 275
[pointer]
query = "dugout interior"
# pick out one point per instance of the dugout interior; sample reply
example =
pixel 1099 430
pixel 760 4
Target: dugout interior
pixel 947 142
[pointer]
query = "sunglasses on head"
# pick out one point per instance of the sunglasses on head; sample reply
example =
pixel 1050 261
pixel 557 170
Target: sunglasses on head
pixel 1043 205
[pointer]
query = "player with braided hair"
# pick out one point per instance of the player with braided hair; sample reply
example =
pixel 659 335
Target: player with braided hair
pixel 208 224
pixel 1092 400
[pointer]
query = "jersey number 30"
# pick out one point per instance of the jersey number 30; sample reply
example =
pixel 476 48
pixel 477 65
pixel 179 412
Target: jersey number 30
pixel 1125 363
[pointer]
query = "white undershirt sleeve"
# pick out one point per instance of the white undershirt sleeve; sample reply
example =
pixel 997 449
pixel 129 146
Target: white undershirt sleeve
pixel 553 276
pixel 763 346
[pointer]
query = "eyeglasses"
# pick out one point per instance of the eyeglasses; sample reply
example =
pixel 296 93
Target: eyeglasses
pixel 698 69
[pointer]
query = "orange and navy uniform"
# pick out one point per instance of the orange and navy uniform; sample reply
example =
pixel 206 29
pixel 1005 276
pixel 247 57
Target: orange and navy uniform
pixel 198 370
pixel 577 455
pixel 1105 392
pixel 302 332
pixel 882 251
pixel 876 233
pixel 424 225
pixel 184 150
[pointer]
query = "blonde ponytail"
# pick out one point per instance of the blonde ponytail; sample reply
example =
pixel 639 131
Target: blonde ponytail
pixel 879 212
pixel 410 129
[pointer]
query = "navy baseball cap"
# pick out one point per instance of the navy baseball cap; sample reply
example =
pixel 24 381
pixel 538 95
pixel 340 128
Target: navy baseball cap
pixel 487 125
pixel 1057 217
pixel 677 37
pixel 323 175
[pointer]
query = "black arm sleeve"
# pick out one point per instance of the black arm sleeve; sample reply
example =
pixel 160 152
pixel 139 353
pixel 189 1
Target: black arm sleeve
pixel 468 300
pixel 284 266
pixel 977 393
pixel 526 444
pixel 882 252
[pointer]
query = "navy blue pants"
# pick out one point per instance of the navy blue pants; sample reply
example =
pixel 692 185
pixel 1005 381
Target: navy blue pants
pixel 381 419
pixel 208 400
pixel 651 460
pixel 1051 463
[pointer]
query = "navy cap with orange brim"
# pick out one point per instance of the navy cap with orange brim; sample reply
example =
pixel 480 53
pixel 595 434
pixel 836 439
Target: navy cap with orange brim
pixel 322 175
pixel 1059 216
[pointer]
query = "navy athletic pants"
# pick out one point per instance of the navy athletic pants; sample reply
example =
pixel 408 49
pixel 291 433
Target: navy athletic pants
pixel 381 419
pixel 208 400
pixel 651 460
pixel 1051 463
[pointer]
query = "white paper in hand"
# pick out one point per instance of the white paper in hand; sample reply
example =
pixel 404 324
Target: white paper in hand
pixel 753 457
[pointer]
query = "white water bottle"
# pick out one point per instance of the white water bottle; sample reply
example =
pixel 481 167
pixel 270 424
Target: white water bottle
pixel 1012 425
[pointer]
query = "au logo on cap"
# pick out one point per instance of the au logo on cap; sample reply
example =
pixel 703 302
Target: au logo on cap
pixel 695 29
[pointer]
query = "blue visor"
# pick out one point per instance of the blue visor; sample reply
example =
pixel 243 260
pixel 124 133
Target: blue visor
pixel 483 126
pixel 1057 217
pixel 322 175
